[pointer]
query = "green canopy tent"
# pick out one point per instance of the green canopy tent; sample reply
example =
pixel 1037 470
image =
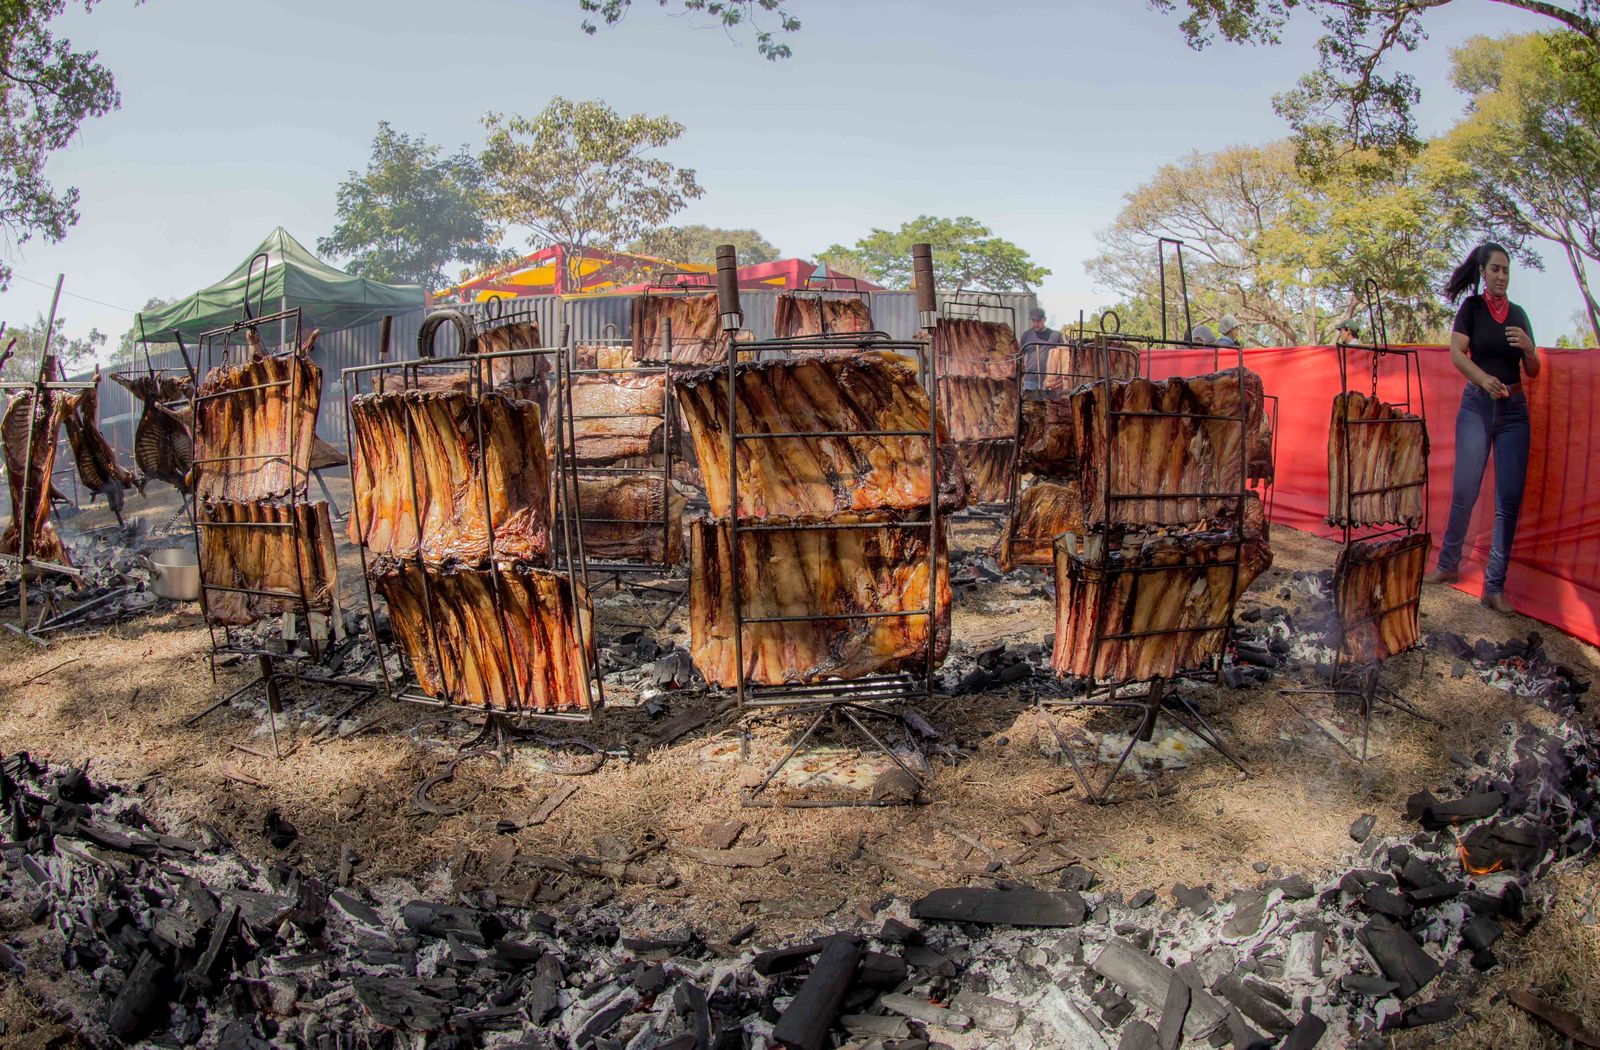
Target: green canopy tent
pixel 328 298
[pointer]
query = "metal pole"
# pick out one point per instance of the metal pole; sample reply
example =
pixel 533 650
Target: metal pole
pixel 732 321
pixel 22 512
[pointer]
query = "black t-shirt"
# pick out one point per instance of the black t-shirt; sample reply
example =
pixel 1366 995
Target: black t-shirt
pixel 1486 338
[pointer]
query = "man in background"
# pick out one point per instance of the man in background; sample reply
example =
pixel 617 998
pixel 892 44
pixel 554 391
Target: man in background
pixel 1036 343
pixel 1231 335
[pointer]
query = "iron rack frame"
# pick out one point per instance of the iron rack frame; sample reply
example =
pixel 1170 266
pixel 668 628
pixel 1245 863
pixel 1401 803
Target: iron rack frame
pixel 828 286
pixel 967 305
pixel 1158 697
pixel 845 702
pixel 1362 681
pixel 480 371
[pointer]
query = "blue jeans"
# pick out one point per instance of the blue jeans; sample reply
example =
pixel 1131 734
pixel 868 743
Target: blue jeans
pixel 1482 425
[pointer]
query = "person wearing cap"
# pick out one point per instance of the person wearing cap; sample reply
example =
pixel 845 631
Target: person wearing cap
pixel 1202 335
pixel 1036 343
pixel 1229 327
pixel 1349 331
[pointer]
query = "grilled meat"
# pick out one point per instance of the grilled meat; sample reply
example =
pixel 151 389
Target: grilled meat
pixel 600 355
pixel 625 519
pixel 39 420
pixel 615 417
pixel 976 409
pixel 262 547
pixel 990 466
pixel 697 337
pixel 1047 443
pixel 92 454
pixel 163 447
pixel 1045 510
pixel 247 416
pixel 976 349
pixel 1377 586
pixel 446 622
pixel 1388 449
pixel 805 314
pixel 522 376
pixel 1070 365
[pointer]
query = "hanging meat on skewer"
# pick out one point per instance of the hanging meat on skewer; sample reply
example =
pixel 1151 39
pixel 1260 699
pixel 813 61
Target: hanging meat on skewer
pixel 800 314
pixel 697 337
pixel 1045 510
pixel 626 519
pixel 1047 445
pixel 256 425
pixel 1070 365
pixel 1388 450
pixel 163 448
pixel 615 417
pixel 261 547
pixel 28 432
pixel 1377 587
pixel 92 454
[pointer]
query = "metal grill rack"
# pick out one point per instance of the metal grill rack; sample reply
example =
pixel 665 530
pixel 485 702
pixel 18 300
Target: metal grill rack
pixel 1158 696
pixel 988 307
pixel 35 389
pixel 568 556
pixel 847 704
pixel 1363 682
pixel 821 287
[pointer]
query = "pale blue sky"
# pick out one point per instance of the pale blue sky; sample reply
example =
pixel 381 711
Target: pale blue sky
pixel 1033 117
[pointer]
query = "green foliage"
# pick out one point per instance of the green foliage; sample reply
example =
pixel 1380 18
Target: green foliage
pixel 411 213
pixel 47 90
pixel 1352 100
pixel 1526 156
pixel 1287 255
pixel 730 14
pixel 698 244
pixel 70 353
pixel 966 254
pixel 581 175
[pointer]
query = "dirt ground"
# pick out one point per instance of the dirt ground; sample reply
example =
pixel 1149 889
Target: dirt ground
pixel 1001 803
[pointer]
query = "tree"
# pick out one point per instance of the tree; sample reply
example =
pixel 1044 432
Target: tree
pixel 24 361
pixel 1352 99
pixel 580 175
pixel 411 213
pixel 698 244
pixel 730 14
pixel 966 254
pixel 1279 250
pixel 1527 154
pixel 128 346
pixel 47 91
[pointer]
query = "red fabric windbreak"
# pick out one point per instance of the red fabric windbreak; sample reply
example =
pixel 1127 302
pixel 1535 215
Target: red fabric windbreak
pixel 1555 563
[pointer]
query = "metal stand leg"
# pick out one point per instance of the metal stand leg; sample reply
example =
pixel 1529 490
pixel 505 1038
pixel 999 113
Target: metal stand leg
pixel 841 714
pixel 1369 695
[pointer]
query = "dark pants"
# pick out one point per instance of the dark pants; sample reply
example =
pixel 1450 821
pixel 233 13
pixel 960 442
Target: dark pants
pixel 1482 425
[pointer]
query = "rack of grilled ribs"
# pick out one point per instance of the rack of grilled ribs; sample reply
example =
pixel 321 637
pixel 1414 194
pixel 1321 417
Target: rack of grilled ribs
pixel 1045 510
pixel 1160 607
pixel 520 652
pixel 800 314
pixel 615 416
pixel 1046 443
pixel 811 572
pixel 262 547
pixel 163 448
pixel 255 425
pixel 814 477
pixel 989 466
pixel 527 375
pixel 92 454
pixel 433 436
pixel 1067 366
pixel 604 355
pixel 28 431
pixel 1388 463
pixel 1176 441
pixel 1377 591
pixel 975 349
pixel 626 518
pixel 697 337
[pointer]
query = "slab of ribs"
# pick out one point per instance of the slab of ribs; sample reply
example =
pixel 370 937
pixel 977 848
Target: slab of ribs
pixel 1377 585
pixel 1167 583
pixel 529 659
pixel 806 477
pixel 626 518
pixel 163 447
pixel 1070 365
pixel 604 355
pixel 977 363
pixel 800 573
pixel 806 314
pixel 697 337
pixel 92 454
pixel 528 373
pixel 265 547
pixel 1388 449
pixel 1047 443
pixel 243 448
pixel 1179 437
pixel 435 433
pixel 39 420
pixel 1045 510
pixel 616 417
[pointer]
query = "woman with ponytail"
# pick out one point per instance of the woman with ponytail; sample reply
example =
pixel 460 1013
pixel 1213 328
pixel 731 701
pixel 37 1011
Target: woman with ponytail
pixel 1492 345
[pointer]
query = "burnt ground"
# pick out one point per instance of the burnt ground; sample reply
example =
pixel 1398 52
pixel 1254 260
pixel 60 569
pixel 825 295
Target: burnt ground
pixel 120 699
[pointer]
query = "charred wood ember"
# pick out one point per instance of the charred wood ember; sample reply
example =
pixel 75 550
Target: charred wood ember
pixel 622 518
pixel 615 417
pixel 92 454
pixel 163 447
pixel 1047 445
pixel 28 431
pixel 1181 436
pixel 1377 587
pixel 1045 510
pixel 263 547
pixel 1388 451
pixel 1176 585
pixel 822 571
pixel 697 337
pixel 446 624
pixel 433 435
pixel 816 477
pixel 807 314
pixel 243 440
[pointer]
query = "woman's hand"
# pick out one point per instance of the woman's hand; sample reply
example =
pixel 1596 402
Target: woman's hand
pixel 1519 339
pixel 1494 388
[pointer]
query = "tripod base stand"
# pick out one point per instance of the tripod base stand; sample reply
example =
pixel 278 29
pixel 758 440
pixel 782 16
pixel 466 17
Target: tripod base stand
pixel 1158 699
pixel 846 716
pixel 1364 686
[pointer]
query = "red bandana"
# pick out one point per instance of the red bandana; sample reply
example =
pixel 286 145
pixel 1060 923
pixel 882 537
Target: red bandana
pixel 1499 306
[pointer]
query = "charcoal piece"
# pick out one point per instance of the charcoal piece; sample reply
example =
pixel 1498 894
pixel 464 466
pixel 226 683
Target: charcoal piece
pixel 1150 981
pixel 1196 898
pixel 1268 991
pixel 356 910
pixel 896 932
pixel 1418 804
pixel 1424 1014
pixel 1142 899
pixel 513 956
pixel 1381 901
pixel 1306 1034
pixel 1363 827
pixel 783 960
pixel 470 925
pixel 1137 1036
pixel 1020 907
pixel 1253 1006
pixel 1249 909
pixel 675 942
pixel 1243 1034
pixel 1077 877
pixel 1416 873
pixel 1481 932
pixel 882 971
pixel 1399 956
pixel 604 1020
pixel 544 992
pixel 994 1015
pixel 199 980
pixel 1485 960
pixel 934 962
pixel 805 1023
pixel 1462 810
pixel 1430 895
pixel 144 992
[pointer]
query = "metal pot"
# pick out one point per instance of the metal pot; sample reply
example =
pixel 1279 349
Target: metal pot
pixel 177 573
